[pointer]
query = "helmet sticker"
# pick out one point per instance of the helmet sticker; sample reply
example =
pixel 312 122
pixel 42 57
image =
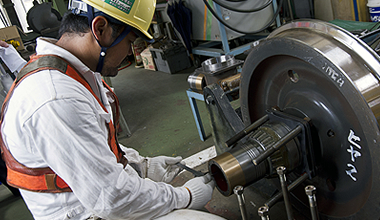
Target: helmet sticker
pixel 123 5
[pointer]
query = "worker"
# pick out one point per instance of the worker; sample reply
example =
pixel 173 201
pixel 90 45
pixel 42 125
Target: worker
pixel 58 125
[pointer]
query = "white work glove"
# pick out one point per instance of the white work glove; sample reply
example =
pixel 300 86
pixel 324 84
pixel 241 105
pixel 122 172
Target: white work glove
pixel 162 168
pixel 201 189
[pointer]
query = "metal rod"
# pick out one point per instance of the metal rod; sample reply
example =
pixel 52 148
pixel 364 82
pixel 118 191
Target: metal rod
pixel 274 2
pixel 271 149
pixel 263 212
pixel 290 10
pixel 192 171
pixel 310 192
pixel 281 173
pixel 293 185
pixel 238 190
pixel 246 131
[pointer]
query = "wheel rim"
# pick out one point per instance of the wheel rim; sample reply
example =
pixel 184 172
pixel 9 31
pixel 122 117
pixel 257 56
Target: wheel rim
pixel 325 73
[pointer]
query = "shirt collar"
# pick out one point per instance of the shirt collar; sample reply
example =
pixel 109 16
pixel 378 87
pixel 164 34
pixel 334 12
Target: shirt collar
pixel 48 46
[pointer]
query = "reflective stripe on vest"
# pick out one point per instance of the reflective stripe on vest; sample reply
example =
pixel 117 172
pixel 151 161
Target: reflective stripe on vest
pixel 44 179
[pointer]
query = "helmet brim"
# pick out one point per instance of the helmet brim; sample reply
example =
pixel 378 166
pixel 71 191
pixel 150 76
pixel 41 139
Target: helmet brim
pixel 143 36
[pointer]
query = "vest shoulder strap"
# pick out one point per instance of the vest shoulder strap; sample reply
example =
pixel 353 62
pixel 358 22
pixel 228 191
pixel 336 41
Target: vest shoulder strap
pixel 42 62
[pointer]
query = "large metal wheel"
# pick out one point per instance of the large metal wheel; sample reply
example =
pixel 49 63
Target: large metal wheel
pixel 318 70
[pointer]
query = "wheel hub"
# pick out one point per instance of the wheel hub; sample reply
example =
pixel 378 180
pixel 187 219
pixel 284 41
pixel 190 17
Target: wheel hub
pixel 332 78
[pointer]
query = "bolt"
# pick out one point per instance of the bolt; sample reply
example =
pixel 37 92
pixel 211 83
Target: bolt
pixel 210 101
pixel 281 170
pixel 310 190
pixel 330 133
pixel 238 190
pixel 263 211
pixel 285 193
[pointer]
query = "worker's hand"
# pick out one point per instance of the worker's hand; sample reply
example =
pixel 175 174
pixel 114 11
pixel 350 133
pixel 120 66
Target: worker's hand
pixel 163 169
pixel 201 189
pixel 3 44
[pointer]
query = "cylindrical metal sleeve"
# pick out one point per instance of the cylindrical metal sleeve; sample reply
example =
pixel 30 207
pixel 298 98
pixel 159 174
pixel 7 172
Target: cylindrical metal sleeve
pixel 196 81
pixel 235 167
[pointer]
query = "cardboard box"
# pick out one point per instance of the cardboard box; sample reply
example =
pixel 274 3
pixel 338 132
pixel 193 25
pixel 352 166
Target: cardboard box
pixel 148 60
pixel 11 33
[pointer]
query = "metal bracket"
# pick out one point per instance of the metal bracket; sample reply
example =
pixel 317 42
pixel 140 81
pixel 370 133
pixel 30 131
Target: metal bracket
pixel 304 137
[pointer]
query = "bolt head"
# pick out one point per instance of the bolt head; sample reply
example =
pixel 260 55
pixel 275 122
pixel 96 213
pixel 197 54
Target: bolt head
pixel 238 190
pixel 310 190
pixel 210 101
pixel 263 211
pixel 281 170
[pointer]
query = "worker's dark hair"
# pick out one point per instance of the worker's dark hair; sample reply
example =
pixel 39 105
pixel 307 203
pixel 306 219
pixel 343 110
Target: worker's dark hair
pixel 76 24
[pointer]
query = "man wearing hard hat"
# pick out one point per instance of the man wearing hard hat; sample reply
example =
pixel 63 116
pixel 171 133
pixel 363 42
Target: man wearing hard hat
pixel 58 125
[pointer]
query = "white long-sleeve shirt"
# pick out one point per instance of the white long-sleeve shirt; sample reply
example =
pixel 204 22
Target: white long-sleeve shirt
pixel 53 121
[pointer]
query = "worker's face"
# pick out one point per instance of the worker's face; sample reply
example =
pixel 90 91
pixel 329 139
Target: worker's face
pixel 116 54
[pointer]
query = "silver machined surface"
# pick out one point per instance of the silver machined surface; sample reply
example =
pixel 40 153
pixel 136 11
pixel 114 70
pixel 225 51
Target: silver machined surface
pixel 215 65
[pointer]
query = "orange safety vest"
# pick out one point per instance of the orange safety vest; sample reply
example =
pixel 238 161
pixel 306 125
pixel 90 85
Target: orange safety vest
pixel 44 179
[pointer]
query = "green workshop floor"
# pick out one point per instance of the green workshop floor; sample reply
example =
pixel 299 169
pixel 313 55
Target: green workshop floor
pixel 158 113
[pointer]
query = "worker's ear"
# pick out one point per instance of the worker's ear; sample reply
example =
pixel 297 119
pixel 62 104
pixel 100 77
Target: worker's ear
pixel 102 31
